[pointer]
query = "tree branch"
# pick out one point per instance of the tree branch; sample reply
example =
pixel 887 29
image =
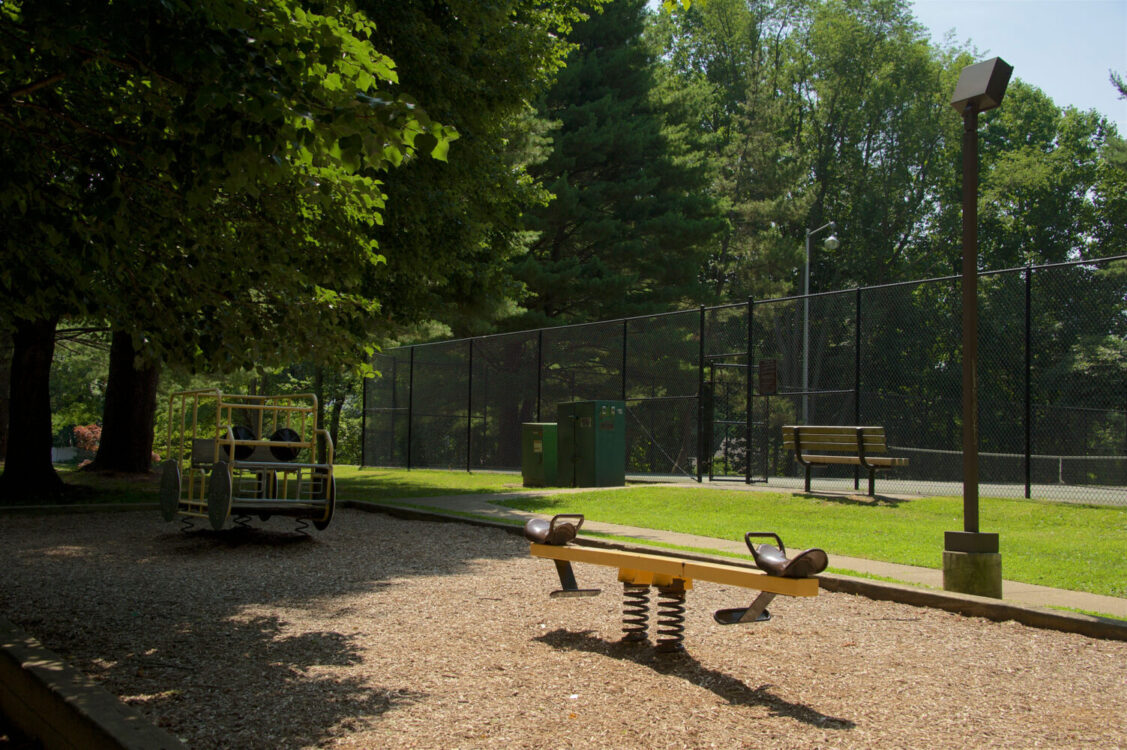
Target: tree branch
pixel 31 88
pixel 76 124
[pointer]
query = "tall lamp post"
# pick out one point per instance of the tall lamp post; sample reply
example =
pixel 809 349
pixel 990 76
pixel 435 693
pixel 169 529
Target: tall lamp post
pixel 830 243
pixel 971 563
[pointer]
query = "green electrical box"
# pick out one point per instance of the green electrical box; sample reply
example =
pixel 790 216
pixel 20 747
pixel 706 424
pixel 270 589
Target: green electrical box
pixel 538 454
pixel 592 443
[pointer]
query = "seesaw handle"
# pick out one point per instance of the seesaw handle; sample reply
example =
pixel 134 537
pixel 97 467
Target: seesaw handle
pixel 764 534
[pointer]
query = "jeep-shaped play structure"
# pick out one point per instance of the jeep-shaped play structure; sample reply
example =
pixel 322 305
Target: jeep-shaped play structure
pixel 236 456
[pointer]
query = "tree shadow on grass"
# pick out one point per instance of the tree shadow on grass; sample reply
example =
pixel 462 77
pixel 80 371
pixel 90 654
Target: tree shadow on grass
pixel 530 503
pixel 686 667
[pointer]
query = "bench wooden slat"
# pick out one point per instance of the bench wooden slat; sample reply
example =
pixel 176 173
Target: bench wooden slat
pixel 882 461
pixel 846 447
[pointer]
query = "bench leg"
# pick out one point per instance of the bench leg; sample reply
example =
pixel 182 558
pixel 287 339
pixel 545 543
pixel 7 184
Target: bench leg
pixel 807 468
pixel 872 482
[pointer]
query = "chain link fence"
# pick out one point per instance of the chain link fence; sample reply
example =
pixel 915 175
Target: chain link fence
pixel 707 391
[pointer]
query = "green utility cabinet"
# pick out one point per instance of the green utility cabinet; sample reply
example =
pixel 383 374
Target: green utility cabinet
pixel 538 454
pixel 592 444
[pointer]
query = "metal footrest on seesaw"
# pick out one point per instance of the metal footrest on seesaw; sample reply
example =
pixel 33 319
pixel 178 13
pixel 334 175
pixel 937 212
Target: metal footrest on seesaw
pixel 755 612
pixel 568 586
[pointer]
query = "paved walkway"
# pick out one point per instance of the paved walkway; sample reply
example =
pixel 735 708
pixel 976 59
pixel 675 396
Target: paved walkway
pixel 1024 594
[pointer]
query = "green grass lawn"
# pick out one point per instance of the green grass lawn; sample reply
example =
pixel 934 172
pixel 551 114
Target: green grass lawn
pixel 95 488
pixel 1066 546
pixel 354 483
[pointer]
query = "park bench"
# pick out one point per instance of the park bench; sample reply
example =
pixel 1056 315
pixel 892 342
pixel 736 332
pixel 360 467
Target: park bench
pixel 863 447
pixel 673 576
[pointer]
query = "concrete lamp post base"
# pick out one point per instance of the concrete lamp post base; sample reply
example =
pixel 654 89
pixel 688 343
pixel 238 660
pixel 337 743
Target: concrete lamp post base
pixel 972 563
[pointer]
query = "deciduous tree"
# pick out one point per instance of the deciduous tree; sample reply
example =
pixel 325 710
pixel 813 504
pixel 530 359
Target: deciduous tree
pixel 201 175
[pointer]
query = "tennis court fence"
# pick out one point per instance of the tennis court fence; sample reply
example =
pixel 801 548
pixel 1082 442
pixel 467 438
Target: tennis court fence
pixel 707 390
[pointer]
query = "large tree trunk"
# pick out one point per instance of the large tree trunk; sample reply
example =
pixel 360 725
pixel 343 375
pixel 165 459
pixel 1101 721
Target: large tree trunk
pixel 5 386
pixel 127 418
pixel 28 474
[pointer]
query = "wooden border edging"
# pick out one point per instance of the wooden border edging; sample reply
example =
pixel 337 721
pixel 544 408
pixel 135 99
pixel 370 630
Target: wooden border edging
pixel 52 702
pixel 970 605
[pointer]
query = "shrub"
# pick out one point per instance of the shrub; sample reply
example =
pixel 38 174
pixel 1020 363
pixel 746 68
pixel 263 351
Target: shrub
pixel 87 437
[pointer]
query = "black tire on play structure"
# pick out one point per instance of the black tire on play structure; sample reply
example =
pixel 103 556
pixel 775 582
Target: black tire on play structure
pixel 285 452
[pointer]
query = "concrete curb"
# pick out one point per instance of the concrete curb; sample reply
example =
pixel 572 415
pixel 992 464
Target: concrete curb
pixel 963 604
pixel 62 708
pixel 55 510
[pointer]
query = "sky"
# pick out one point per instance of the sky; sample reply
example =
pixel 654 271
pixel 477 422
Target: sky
pixel 1063 47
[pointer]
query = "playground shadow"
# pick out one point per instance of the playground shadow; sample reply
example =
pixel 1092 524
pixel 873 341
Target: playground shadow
pixel 198 541
pixel 182 618
pixel 291 664
pixel 688 668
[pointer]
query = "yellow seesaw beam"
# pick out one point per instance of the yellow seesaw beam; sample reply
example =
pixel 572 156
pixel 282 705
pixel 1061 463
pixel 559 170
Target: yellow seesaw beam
pixel 687 570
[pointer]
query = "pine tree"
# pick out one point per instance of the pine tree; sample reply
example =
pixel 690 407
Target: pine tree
pixel 624 232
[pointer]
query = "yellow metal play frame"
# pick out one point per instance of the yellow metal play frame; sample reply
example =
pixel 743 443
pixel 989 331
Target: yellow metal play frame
pixel 234 455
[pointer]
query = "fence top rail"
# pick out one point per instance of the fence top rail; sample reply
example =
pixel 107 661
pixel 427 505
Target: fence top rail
pixel 772 300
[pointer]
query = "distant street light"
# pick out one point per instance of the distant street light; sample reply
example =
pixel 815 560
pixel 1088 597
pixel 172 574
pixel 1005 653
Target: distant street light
pixel 830 243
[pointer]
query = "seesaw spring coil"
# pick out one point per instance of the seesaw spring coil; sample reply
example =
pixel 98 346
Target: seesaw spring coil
pixel 670 619
pixel 635 612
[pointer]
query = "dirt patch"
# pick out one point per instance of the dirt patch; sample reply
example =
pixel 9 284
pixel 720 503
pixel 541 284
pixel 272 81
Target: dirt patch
pixel 382 632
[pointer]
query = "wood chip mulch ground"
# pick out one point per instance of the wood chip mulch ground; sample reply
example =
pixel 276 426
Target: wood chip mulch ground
pixel 388 633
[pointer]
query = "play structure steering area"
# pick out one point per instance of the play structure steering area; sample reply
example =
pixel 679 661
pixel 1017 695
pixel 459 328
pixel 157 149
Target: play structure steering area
pixel 236 456
pixel 673 576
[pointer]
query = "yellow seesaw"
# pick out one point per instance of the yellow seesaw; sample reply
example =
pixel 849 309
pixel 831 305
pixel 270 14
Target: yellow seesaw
pixel 673 576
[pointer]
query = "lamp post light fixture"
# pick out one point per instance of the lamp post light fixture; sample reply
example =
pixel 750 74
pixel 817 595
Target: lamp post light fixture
pixel 970 557
pixel 830 243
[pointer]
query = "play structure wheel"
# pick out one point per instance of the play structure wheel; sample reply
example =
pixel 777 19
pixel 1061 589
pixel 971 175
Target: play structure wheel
pixel 242 452
pixel 219 495
pixel 329 492
pixel 285 452
pixel 169 489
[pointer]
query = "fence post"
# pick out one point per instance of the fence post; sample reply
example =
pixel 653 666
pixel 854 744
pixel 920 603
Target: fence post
pixel 1028 381
pixel 469 407
pixel 539 369
pixel 750 390
pixel 363 418
pixel 394 409
pixel 410 404
pixel 624 359
pixel 700 400
pixel 857 378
